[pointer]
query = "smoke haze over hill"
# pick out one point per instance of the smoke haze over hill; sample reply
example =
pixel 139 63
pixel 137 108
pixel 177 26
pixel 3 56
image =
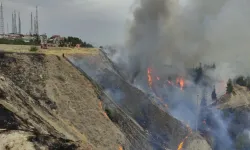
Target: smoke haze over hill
pixel 191 31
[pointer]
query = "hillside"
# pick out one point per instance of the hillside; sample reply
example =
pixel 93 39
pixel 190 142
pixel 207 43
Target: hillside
pixel 241 97
pixel 236 109
pixel 48 103
pixel 45 97
pixel 160 128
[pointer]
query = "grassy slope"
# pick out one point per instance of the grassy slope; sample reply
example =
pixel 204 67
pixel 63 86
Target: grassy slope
pixel 74 95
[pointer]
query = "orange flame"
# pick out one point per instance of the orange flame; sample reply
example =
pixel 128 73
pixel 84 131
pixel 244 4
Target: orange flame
pixel 105 115
pixel 182 143
pixel 103 112
pixel 150 81
pixel 100 105
pixel 180 81
pixel 120 147
pixel 180 146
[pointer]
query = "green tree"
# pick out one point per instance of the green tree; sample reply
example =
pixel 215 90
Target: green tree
pixel 214 95
pixel 37 40
pixel 229 86
pixel 198 73
pixel 33 49
pixel 242 141
pixel 74 41
pixel 241 81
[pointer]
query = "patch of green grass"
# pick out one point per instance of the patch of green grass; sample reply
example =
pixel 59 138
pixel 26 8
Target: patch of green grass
pixel 33 49
pixel 112 115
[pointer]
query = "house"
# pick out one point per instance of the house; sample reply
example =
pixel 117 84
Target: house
pixel 13 36
pixel 55 40
pixel 28 38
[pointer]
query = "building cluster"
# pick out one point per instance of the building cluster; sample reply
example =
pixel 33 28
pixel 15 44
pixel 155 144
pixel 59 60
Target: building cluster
pixel 16 30
pixel 16 23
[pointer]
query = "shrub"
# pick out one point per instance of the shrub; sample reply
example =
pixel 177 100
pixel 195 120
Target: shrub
pixel 242 141
pixel 229 87
pixel 198 73
pixel 109 113
pixel 33 49
pixel 214 95
pixel 112 115
pixel 2 54
pixel 241 81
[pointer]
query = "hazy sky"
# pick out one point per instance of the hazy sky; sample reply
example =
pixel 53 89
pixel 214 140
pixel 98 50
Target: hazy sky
pixel 98 21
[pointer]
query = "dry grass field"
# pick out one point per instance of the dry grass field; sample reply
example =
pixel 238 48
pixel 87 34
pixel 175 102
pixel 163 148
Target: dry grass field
pixel 54 98
pixel 50 50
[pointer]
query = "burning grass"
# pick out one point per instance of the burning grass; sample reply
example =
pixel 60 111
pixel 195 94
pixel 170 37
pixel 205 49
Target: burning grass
pixel 180 146
pixel 103 112
pixel 120 147
pixel 150 81
pixel 180 81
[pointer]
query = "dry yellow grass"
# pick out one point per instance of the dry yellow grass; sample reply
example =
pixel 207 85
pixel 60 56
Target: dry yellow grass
pixel 49 51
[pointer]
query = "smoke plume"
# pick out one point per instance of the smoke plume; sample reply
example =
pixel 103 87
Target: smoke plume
pixel 183 33
pixel 186 32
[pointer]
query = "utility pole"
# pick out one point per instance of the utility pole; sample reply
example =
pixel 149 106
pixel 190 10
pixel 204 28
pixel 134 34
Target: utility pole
pixel 7 28
pixel 197 114
pixel 19 24
pixel 31 24
pixel 12 23
pixel 37 21
pixel 1 19
pixel 36 26
pixel 15 27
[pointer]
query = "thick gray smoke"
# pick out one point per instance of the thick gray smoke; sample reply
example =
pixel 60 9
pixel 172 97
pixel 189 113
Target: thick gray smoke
pixel 186 32
pixel 172 36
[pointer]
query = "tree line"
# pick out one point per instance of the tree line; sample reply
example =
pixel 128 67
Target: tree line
pixel 73 41
pixel 240 80
pixel 15 42
pixel 67 41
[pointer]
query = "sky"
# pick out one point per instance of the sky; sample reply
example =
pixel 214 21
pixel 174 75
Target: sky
pixel 100 22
